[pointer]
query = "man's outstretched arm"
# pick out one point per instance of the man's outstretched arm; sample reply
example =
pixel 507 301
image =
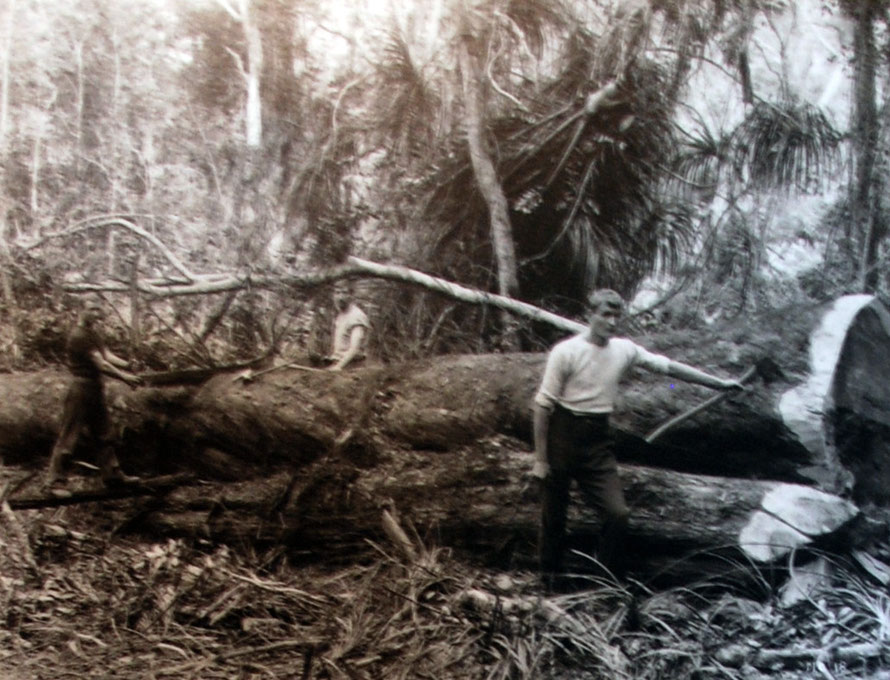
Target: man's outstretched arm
pixel 691 374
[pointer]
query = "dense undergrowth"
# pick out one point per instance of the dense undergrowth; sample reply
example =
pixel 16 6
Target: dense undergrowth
pixel 80 600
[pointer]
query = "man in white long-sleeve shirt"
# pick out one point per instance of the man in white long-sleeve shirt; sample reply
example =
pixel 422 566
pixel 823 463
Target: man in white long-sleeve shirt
pixel 571 428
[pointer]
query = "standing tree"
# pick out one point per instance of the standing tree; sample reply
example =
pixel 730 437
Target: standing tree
pixel 869 226
pixel 243 13
pixel 484 168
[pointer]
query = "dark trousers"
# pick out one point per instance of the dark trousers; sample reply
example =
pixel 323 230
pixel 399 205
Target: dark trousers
pixel 84 411
pixel 579 448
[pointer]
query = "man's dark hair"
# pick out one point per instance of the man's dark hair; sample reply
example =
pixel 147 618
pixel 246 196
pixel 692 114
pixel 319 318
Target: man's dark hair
pixel 605 298
pixel 345 288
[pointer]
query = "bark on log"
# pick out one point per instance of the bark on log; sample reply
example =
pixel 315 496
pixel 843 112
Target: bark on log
pixel 471 499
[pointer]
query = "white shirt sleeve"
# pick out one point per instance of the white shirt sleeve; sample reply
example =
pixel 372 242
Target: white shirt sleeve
pixel 553 381
pixel 654 362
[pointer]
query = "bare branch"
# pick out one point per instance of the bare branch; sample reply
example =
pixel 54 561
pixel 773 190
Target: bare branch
pixel 238 62
pixel 217 316
pixel 97 223
pixel 458 292
pixel 501 91
pixel 355 268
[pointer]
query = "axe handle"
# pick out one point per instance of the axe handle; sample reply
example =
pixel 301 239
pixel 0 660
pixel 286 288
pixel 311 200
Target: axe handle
pixel 293 365
pixel 717 398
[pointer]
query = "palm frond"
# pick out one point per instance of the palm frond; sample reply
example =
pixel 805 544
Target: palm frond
pixel 787 145
pixel 535 19
pixel 701 160
pixel 405 109
pixel 582 187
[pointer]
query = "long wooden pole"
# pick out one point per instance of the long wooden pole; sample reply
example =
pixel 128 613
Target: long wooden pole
pixel 354 268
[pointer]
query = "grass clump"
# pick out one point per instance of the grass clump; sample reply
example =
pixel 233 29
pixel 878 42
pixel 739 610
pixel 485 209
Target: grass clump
pixel 80 603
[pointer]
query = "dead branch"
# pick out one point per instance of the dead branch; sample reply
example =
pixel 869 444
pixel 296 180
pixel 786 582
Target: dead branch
pixel 217 316
pixel 145 487
pixel 462 293
pixel 355 268
pixel 98 223
pixel 736 655
pixel 235 653
pixel 396 533
pixel 274 587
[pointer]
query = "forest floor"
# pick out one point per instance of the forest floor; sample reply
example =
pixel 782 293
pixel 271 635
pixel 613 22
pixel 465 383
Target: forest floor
pixel 82 600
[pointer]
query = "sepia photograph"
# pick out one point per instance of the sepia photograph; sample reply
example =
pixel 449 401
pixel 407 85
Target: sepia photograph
pixel 444 339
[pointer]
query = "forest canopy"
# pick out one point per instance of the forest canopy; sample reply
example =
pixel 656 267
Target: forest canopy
pixel 683 153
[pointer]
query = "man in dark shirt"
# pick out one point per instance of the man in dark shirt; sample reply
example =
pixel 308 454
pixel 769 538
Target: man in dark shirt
pixel 88 359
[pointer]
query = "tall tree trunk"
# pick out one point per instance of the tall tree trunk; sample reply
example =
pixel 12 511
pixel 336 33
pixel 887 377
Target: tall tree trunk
pixel 7 291
pixel 110 254
pixel 240 11
pixel 486 177
pixel 493 193
pixel 135 306
pixel 81 96
pixel 5 279
pixel 865 138
pixel 7 56
pixel 35 179
pixel 254 112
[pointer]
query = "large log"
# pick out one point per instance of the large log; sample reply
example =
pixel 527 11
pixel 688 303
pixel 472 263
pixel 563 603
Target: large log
pixel 809 427
pixel 472 498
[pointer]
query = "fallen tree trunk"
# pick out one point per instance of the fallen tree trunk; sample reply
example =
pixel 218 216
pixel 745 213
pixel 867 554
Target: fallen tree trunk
pixel 473 500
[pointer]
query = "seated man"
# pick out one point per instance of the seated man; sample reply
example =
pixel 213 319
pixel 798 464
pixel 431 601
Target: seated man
pixel 350 339
pixel 85 409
